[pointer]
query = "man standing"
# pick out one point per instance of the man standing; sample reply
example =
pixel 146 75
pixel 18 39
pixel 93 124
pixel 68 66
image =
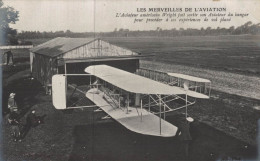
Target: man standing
pixel 184 133
pixel 11 102
pixel 10 57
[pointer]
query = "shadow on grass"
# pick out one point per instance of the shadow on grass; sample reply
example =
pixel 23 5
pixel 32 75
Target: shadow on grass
pixel 111 141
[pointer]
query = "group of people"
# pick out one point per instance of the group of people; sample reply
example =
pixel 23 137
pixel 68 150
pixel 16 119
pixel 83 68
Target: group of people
pixel 18 130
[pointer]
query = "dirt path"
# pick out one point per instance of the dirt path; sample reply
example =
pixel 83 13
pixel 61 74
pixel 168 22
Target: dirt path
pixel 247 86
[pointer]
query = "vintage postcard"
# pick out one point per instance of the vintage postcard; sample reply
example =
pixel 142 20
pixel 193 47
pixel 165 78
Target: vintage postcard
pixel 143 80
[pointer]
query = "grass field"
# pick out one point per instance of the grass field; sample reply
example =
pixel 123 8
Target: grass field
pixel 240 54
pixel 228 82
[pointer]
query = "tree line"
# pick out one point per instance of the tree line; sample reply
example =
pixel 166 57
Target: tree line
pixel 247 28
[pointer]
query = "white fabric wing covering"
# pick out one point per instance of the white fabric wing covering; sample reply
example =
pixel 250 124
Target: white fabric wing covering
pixel 132 82
pixel 188 77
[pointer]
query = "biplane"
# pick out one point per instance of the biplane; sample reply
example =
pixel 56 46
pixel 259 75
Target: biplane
pixel 138 103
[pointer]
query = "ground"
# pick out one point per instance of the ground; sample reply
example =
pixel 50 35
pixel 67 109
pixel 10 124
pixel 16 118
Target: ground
pixel 232 107
pixel 81 135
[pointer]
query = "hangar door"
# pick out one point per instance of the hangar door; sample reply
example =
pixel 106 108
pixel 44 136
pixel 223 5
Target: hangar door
pixel 59 91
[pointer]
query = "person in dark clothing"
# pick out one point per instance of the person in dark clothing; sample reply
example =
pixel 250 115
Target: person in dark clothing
pixel 14 122
pixel 184 134
pixel 122 101
pixel 13 116
pixel 9 55
pixel 32 120
pixel 15 130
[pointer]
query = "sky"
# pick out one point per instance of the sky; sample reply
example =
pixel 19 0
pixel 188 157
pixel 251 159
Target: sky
pixel 100 15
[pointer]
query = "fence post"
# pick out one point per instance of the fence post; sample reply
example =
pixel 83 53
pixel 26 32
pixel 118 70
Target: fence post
pixel 141 110
pixel 160 102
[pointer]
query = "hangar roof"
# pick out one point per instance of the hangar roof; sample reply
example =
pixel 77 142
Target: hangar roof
pixel 60 45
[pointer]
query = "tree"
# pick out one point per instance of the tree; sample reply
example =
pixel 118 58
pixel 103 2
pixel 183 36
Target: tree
pixel 231 29
pixel 8 15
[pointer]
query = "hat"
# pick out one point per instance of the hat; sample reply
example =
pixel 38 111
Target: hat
pixel 189 119
pixel 12 94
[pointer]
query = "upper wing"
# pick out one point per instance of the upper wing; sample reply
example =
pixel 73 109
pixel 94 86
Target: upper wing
pixel 188 77
pixel 136 83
